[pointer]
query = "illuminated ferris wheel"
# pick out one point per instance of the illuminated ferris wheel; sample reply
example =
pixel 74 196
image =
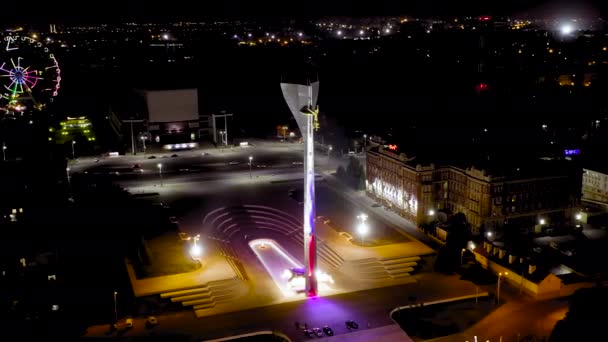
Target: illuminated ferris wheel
pixel 30 77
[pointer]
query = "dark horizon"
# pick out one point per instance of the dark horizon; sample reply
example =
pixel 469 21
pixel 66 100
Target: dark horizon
pixel 116 11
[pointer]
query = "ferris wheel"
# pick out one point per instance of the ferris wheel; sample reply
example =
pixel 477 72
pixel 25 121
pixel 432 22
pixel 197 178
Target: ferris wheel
pixel 30 77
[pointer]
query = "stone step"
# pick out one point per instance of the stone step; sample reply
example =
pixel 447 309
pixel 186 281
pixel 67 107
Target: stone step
pixel 201 295
pixel 400 275
pixel 388 261
pixel 199 301
pixel 400 265
pixel 203 306
pixel 401 270
pixel 184 292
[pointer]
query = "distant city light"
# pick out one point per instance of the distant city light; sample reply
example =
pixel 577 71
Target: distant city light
pixel 165 36
pixel 300 34
pixel 388 30
pixel 573 152
pixel 339 32
pixel 431 212
pixel 248 34
pixel 361 32
pixel 579 216
pixel 567 29
pixel 542 221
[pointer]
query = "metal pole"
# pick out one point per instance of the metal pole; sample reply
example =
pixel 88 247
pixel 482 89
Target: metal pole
pixel 250 169
pixel 115 309
pixel 226 128
pixel 4 151
pixel 328 166
pixel 132 139
pixel 498 289
pixel 67 171
pixel 73 150
pixel 143 139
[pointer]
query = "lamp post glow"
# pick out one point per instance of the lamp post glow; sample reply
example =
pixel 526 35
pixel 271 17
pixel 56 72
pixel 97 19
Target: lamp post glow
pixel 462 255
pixel 73 149
pixel 329 149
pixel 302 102
pixel 362 227
pixel 250 159
pixel 196 250
pixel 431 212
pixel 67 171
pixel 498 286
pixel 364 142
pixel 4 151
pixel 160 172
pixel 143 141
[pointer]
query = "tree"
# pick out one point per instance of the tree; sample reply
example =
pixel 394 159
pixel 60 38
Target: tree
pixel 586 319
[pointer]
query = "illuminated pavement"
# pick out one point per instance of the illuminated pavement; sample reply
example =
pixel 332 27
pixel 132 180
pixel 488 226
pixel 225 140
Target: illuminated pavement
pixel 194 185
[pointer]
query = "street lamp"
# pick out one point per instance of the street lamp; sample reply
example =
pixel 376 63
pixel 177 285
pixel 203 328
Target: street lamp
pixel 4 151
pixel 143 140
pixel 329 149
pixel 542 221
pixel 160 172
pixel 73 149
pixel 67 171
pixel 498 286
pixel 115 308
pixel 364 142
pixel 462 255
pixel 362 227
pixel 196 250
pixel 431 212
pixel 579 216
pixel 250 159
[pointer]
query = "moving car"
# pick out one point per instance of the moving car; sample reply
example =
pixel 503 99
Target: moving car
pixel 233 163
pixel 129 323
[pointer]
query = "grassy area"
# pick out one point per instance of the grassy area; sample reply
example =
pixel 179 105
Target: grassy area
pixel 433 321
pixel 168 255
pixel 342 217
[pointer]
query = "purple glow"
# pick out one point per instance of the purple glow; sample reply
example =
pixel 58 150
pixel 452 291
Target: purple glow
pixel 572 152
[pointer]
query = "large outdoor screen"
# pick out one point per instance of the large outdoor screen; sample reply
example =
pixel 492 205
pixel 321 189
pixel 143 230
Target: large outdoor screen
pixel 172 105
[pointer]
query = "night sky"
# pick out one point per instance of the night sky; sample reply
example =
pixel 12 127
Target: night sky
pixel 116 10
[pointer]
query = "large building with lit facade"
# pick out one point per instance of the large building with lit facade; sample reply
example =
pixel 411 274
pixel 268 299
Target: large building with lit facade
pixel 544 191
pixel 595 186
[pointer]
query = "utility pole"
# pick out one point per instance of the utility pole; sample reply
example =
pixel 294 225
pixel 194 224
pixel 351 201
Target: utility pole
pixel 133 136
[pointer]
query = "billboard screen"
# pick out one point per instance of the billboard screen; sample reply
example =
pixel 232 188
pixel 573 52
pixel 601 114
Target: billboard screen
pixel 172 105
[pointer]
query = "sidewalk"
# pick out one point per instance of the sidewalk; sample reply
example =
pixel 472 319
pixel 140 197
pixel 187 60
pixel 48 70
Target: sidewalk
pixel 361 199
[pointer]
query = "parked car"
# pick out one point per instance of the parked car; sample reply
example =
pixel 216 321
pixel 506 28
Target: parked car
pixel 308 333
pixel 151 322
pixel 129 323
pixel 352 324
pixel 317 332
pixel 328 331
pixel 233 163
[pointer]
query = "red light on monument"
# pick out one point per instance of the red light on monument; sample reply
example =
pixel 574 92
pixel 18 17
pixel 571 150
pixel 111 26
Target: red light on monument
pixel 482 86
pixel 485 18
pixel 392 147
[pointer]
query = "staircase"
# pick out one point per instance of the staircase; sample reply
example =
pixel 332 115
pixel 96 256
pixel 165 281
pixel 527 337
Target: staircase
pixel 384 268
pixel 209 295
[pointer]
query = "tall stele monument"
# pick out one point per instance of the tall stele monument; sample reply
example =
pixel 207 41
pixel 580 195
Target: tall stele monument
pixel 302 101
